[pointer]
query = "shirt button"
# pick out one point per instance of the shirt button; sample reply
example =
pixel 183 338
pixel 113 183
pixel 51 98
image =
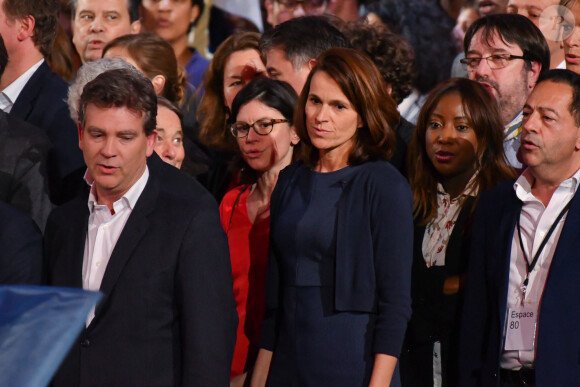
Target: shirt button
pixel 542 233
pixel 106 227
pixel 98 264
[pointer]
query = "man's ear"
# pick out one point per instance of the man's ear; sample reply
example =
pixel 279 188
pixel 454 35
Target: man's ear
pixel 151 141
pixel 311 63
pixel 80 129
pixel 533 74
pixel 26 27
pixel 135 27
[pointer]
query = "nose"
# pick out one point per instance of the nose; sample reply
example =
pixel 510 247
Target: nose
pixel 252 136
pixel 446 133
pixel 168 151
pixel 321 114
pixel 483 68
pixel 574 39
pixel 299 11
pixel 97 24
pixel 530 122
pixel 164 4
pixel 109 148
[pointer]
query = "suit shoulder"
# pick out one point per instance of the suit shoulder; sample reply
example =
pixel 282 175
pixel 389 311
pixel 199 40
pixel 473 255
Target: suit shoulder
pixel 382 173
pixel 498 194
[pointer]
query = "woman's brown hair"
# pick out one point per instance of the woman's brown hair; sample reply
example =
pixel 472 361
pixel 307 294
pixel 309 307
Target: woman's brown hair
pixel 483 116
pixel 365 89
pixel 212 113
pixel 155 56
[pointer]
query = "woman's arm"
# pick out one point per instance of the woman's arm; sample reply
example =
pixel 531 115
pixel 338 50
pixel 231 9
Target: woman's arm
pixel 383 370
pixel 261 368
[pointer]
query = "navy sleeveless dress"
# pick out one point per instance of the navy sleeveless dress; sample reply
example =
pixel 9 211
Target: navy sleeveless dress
pixel 316 346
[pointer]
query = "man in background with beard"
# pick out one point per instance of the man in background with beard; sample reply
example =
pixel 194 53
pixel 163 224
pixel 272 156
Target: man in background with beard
pixel 506 53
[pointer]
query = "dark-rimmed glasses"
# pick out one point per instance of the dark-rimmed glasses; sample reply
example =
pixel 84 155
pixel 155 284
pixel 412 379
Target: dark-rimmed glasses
pixel 493 61
pixel 262 127
pixel 308 5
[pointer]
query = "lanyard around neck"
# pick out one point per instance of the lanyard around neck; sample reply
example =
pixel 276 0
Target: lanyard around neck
pixel 530 266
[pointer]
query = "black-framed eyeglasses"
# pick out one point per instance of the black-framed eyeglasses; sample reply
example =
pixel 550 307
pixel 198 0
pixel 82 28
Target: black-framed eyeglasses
pixel 494 62
pixel 262 127
pixel 308 5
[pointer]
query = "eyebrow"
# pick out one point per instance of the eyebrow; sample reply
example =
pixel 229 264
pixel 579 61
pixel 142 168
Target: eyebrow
pixel 455 118
pixel 494 51
pixel 542 109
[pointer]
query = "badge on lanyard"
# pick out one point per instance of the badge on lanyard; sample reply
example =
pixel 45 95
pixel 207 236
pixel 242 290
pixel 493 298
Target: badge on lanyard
pixel 521 328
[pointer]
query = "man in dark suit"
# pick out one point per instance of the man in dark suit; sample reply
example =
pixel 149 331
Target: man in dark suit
pixel 23 159
pixel 151 241
pixel 521 316
pixel 20 247
pixel 30 90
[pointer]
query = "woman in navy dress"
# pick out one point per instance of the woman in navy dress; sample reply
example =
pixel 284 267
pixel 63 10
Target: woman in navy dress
pixel 338 281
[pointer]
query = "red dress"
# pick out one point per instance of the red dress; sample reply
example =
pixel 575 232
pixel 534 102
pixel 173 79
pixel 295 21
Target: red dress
pixel 248 243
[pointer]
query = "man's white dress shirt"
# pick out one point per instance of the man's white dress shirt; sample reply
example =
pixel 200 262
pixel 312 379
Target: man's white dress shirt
pixel 535 221
pixel 13 90
pixel 104 229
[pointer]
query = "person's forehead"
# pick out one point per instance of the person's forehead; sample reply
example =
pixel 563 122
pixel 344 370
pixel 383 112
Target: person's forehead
pixel 553 95
pixel 485 42
pixel 542 4
pixel 121 6
pixel 276 56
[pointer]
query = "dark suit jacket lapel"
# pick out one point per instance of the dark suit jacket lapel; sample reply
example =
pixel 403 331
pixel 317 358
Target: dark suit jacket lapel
pixel 23 105
pixel 74 248
pixel 130 237
pixel 506 229
pixel 568 242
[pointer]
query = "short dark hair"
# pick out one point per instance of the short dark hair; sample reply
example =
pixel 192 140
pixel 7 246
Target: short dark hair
pixel 513 29
pixel 364 87
pixel 45 14
pixel 132 8
pixel 302 39
pixel 391 53
pixel 273 93
pixel 162 101
pixel 122 87
pixel 571 79
pixel 3 56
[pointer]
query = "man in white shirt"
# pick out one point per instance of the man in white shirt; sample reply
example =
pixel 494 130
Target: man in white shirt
pixel 30 90
pixel 149 238
pixel 521 317
pixel 506 54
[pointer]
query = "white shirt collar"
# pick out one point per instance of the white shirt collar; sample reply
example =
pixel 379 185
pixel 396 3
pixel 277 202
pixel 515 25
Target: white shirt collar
pixel 13 90
pixel 128 199
pixel 562 65
pixel 523 185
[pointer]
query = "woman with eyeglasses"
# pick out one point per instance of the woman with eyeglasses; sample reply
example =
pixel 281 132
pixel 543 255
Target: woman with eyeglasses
pixel 235 63
pixel 455 154
pixel 262 125
pixel 341 233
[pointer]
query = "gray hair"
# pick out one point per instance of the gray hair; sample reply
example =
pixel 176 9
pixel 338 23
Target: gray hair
pixel 87 73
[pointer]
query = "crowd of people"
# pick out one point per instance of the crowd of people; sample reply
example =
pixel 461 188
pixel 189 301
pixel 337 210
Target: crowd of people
pixel 366 193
